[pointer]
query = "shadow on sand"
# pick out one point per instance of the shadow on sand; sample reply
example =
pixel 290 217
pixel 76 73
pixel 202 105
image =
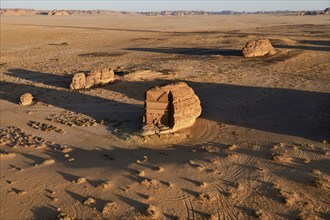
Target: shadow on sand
pixel 190 51
pixel 283 111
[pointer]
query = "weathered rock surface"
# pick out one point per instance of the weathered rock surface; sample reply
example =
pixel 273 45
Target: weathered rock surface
pixel 170 108
pixel 107 76
pixel 327 11
pixel 60 13
pixel 94 78
pixel 78 81
pixel 26 99
pixel 18 12
pixel 256 48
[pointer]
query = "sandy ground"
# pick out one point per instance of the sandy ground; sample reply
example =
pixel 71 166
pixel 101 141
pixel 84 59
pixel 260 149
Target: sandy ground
pixel 259 150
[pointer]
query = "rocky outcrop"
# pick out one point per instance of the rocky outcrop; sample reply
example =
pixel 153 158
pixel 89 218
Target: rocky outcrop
pixel 327 11
pixel 78 81
pixel 307 13
pixel 170 108
pixel 26 99
pixel 18 12
pixel 94 78
pixel 257 48
pixel 59 13
pixel 107 76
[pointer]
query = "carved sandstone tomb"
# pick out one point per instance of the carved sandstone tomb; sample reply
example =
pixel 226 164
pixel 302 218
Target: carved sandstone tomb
pixel 170 108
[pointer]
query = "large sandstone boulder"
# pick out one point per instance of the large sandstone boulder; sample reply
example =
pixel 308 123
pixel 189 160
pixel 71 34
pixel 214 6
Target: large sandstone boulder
pixel 170 108
pixel 256 48
pixel 78 81
pixel 94 78
pixel 107 76
pixel 26 99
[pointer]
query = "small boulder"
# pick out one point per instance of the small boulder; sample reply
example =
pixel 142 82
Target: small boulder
pixel 257 48
pixel 78 81
pixel 26 99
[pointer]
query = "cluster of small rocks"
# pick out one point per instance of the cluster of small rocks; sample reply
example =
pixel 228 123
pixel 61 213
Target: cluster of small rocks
pixel 46 127
pixel 72 119
pixel 16 137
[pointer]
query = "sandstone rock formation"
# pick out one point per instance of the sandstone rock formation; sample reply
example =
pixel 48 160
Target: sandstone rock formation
pixel 26 99
pixel 18 12
pixel 60 13
pixel 107 76
pixel 78 81
pixel 256 48
pixel 170 108
pixel 327 11
pixel 94 78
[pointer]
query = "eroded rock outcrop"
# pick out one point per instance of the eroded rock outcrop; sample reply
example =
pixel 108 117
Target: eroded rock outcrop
pixel 58 13
pixel 170 108
pixel 78 81
pixel 94 78
pixel 327 11
pixel 26 99
pixel 257 48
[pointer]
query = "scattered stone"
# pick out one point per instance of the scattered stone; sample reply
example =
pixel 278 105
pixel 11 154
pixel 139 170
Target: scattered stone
pixel 46 127
pixel 63 216
pixel 90 201
pixel 152 212
pixel 26 99
pixel 170 108
pixel 203 185
pixel 79 180
pixel 46 162
pixel 256 48
pixel 105 185
pixel 71 119
pixel 140 173
pixel 232 147
pixel 322 182
pixel 108 208
pixel 210 149
pixel 15 137
pixel 282 157
pixel 206 197
pixel 160 169
pixel 260 214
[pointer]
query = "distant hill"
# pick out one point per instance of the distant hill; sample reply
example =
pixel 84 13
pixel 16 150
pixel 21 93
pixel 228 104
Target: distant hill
pixel 16 11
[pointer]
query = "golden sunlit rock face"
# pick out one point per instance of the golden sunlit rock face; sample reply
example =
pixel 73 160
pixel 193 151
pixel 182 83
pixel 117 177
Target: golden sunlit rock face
pixel 94 78
pixel 258 48
pixel 171 107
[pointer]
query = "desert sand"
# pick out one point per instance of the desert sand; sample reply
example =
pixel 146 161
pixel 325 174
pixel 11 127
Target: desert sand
pixel 259 150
